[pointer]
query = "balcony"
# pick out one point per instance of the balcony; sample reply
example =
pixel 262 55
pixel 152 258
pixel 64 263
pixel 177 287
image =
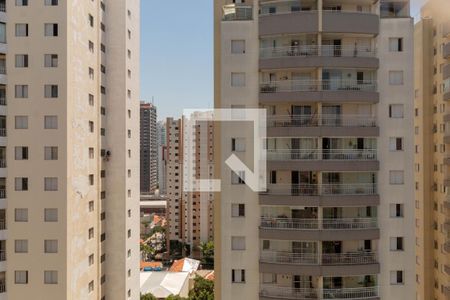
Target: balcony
pixel 319 90
pixel 350 258
pixel 273 291
pixel 324 120
pixel 318 56
pixel 237 12
pixel 356 22
pixel 446 51
pixel 292 22
pixel 323 189
pixel 321 154
pixel 316 224
pixel 2 131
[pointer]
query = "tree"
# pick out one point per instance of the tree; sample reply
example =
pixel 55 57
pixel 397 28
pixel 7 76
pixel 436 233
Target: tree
pixel 148 297
pixel 207 250
pixel 175 297
pixel 147 251
pixel 203 289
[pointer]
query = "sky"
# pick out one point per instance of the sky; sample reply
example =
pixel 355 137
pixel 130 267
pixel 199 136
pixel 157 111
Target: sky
pixel 177 54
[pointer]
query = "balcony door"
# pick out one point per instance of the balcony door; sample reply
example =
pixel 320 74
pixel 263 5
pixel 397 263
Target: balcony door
pixel 301 115
pixel 332 115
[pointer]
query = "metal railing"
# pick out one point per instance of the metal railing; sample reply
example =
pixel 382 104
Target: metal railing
pixel 2 131
pixel 325 120
pixel 350 293
pixel 2 193
pixel 2 287
pixel 324 189
pixel 318 85
pixel 325 154
pixel 3 6
pixel 2 224
pixel 237 12
pixel 289 258
pixel 315 224
pixel 350 258
pixel 2 163
pixel 316 50
pixel 275 291
pixel 2 255
pixel 2 100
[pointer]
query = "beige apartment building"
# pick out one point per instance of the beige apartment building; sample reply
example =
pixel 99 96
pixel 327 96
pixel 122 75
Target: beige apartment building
pixel 432 93
pixel 190 214
pixel 337 218
pixel 69 76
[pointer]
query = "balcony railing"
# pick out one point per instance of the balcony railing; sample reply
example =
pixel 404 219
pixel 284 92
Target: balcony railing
pixel 2 163
pixel 287 292
pixel 3 7
pixel 277 292
pixel 2 131
pixel 2 193
pixel 315 50
pixel 351 293
pixel 2 100
pixel 2 255
pixel 237 12
pixel 2 287
pixel 350 258
pixel 318 85
pixel 325 120
pixel 324 189
pixel 315 224
pixel 319 154
pixel 2 224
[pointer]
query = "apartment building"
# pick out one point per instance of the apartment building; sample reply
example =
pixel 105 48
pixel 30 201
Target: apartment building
pixel 161 128
pixel 69 137
pixel 337 218
pixel 432 93
pixel 190 214
pixel 149 148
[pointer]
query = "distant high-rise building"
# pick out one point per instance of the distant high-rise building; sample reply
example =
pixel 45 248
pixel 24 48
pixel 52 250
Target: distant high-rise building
pixel 337 218
pixel 149 148
pixel 432 143
pixel 161 157
pixel 190 214
pixel 69 188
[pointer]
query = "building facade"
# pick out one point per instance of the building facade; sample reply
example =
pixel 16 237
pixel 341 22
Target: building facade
pixel 149 148
pixel 337 218
pixel 432 93
pixel 161 157
pixel 70 194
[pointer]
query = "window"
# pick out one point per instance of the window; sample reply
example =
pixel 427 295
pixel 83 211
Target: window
pixel 51 91
pixel 102 237
pixel 396 210
pixel 21 61
pixel 102 27
pixel 395 144
pixel 91 46
pixel 51 60
pixel 51 122
pixel 51 277
pixel 238 178
pixel 103 48
pixel 21 122
pixel 51 2
pixel 238 46
pixel 21 277
pixel 50 184
pixel 91 20
pixel 21 183
pixel 396 77
pixel 2 32
pixel 91 233
pixel 91 206
pixel 91 153
pixel 21 29
pixel 237 79
pixel 129 233
pixel 396 243
pixel 91 100
pixel 91 179
pixel 237 276
pixel 21 215
pixel 396 277
pixel 238 144
pixel 51 246
pixel 51 29
pixel 238 210
pixel 91 126
pixel 21 91
pixel 91 73
pixel 102 90
pixel 396 44
pixel 237 243
pixel 21 2
pixel 21 246
pixel 91 286
pixel 21 153
pixel 396 111
pixel 50 153
pixel 396 177
pixel 91 259
pixel 51 215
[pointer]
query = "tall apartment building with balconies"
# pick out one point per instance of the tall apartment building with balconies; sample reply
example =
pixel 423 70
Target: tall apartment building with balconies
pixel 69 213
pixel 432 138
pixel 148 148
pixel 336 220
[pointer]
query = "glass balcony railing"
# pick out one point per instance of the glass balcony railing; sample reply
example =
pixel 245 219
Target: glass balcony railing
pixel 288 292
pixel 350 258
pixel 318 85
pixel 237 12
pixel 321 154
pixel 324 120
pixel 307 189
pixel 315 50
pixel 319 224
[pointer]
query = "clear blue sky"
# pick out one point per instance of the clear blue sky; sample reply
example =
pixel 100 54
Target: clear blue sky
pixel 177 55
